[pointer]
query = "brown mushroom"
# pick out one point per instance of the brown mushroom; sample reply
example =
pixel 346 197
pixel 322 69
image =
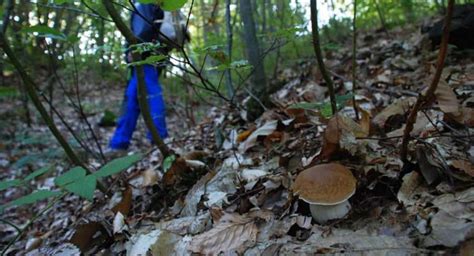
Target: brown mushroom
pixel 326 188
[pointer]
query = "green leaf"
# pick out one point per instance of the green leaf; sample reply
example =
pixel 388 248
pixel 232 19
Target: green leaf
pixel 171 5
pixel 8 184
pixel 117 165
pixel 150 60
pixel 326 110
pixel 212 48
pixel 73 39
pixel 25 160
pixel 72 175
pixel 60 2
pixel 45 31
pixel 97 6
pixel 31 198
pixel 342 99
pixel 37 173
pixel 83 187
pixel 242 64
pixel 168 162
pixel 8 92
pixel 147 1
pixel 238 64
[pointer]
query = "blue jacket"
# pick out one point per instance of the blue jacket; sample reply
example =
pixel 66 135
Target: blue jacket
pixel 145 29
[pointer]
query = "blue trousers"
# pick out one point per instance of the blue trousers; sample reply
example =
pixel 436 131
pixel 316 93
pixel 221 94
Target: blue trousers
pixel 131 110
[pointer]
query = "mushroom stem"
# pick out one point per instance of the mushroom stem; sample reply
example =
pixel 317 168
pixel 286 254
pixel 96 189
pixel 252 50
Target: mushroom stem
pixel 323 213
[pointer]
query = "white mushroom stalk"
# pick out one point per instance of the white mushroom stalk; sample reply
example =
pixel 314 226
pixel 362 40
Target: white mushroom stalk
pixel 324 213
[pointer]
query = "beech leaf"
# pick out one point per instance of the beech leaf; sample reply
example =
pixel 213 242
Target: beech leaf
pixel 232 233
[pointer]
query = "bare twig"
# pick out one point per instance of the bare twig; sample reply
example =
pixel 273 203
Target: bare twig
pixel 424 99
pixel 319 55
pixel 354 63
pixel 81 109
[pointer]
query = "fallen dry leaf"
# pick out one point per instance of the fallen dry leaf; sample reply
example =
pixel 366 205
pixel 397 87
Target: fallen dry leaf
pixel 464 166
pixel 453 223
pixel 348 242
pixel 119 223
pixel 407 193
pixel 155 242
pixel 398 107
pixel 62 249
pixel 431 163
pixel 274 137
pixel 467 248
pixel 468 116
pixel 232 233
pixel 33 243
pixel 150 177
pixel 341 133
pixel 298 114
pixel 448 101
pixel 125 204
pixel 245 134
pixel 88 235
pixel 267 129
pixel 365 121
pixel 178 169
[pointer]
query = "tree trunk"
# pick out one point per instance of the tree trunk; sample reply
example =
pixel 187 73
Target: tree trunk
pixel 259 82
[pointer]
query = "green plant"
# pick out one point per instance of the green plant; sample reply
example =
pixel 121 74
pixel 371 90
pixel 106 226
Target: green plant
pixel 8 92
pixel 324 107
pixel 76 181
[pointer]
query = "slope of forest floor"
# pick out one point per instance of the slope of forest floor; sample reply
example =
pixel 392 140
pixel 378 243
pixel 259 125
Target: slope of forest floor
pixel 229 189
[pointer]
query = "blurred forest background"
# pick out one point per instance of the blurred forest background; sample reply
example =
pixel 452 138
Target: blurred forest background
pixel 83 46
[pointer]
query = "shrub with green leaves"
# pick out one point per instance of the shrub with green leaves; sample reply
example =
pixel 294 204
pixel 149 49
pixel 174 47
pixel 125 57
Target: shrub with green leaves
pixel 75 181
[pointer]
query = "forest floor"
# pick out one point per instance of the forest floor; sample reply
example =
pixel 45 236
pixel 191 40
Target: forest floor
pixel 229 189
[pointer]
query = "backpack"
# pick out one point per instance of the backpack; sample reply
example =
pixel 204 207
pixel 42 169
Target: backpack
pixel 173 30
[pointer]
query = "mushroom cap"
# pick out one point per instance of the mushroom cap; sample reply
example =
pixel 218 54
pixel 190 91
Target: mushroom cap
pixel 325 184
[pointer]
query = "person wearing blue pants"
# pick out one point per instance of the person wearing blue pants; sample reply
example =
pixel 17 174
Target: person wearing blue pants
pixel 146 31
pixel 130 109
